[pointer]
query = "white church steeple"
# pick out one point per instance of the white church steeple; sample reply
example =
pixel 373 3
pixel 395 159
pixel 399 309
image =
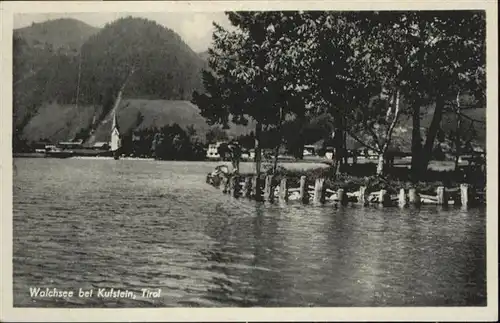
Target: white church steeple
pixel 115 134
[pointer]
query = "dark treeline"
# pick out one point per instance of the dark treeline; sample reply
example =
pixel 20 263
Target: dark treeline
pixel 293 136
pixel 171 142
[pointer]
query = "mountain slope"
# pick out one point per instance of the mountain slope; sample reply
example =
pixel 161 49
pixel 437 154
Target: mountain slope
pixel 164 66
pixel 133 114
pixel 40 75
pixel 49 81
pixel 57 122
pixel 45 67
pixel 59 33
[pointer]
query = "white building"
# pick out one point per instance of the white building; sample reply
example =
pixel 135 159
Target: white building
pixel 212 151
pixel 309 150
pixel 116 141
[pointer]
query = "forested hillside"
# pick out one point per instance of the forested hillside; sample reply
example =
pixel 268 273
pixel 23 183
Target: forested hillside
pixel 59 33
pixel 67 76
pixel 133 114
pixel 163 66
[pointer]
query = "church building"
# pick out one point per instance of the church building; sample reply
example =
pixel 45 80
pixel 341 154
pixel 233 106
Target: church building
pixel 115 135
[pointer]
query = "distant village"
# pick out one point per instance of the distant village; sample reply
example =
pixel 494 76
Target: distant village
pixel 214 151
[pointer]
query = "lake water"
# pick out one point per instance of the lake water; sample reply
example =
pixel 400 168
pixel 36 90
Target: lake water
pixel 132 224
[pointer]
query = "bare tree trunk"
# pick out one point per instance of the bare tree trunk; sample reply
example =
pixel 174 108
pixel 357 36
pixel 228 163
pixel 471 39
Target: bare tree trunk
pixel 278 146
pixel 432 133
pixel 380 164
pixel 258 133
pixel 338 138
pixel 345 159
pixel 457 134
pixel 337 158
pixel 416 141
pixel 344 146
pixel 301 140
pixel 388 136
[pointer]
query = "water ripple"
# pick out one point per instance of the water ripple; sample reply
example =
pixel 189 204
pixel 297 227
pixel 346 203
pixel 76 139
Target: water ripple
pixel 147 224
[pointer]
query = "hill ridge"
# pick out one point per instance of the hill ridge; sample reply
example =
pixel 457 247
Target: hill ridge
pixel 60 32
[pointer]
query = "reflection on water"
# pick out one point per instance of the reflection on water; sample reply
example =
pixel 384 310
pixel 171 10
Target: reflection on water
pixel 147 224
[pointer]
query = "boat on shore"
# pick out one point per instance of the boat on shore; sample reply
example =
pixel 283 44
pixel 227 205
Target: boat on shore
pixel 46 153
pixel 28 155
pixel 57 153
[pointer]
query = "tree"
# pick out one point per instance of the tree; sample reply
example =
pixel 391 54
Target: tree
pixel 235 84
pixel 191 131
pixel 247 141
pixel 253 73
pixel 363 68
pixel 451 62
pixel 356 77
pixel 145 144
pixel 460 128
pixel 394 59
pixel 382 60
pixel 216 134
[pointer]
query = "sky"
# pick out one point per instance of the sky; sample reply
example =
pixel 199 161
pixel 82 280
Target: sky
pixel 195 28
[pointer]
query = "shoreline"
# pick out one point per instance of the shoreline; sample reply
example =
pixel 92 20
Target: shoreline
pixel 264 161
pixel 446 164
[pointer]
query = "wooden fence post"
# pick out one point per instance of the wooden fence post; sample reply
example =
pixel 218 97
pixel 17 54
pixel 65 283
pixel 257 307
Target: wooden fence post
pixel 413 197
pixel 283 193
pixel 256 189
pixel 466 195
pixel 442 198
pixel 402 198
pixel 384 198
pixel 231 185
pixel 303 193
pixel 362 196
pixel 224 183
pixel 342 197
pixel 221 184
pixel 235 186
pixel 268 189
pixel 319 191
pixel 247 187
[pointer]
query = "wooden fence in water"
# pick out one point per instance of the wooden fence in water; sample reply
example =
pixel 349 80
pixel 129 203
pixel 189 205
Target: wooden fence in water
pixel 270 190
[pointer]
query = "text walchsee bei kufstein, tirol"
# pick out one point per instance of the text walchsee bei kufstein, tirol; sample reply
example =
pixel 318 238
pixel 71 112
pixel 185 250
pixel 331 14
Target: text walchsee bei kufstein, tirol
pixel 111 293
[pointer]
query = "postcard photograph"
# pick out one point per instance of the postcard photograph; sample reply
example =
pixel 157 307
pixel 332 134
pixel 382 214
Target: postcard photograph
pixel 252 158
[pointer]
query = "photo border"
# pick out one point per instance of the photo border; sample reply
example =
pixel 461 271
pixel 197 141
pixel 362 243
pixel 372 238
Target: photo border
pixel 10 313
